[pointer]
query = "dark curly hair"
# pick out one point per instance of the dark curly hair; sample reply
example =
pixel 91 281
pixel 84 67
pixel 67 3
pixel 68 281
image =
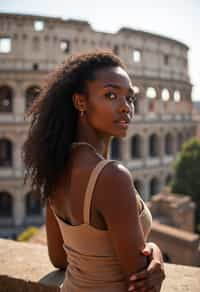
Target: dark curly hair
pixel 53 119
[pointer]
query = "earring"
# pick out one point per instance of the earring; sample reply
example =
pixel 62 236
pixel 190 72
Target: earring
pixel 82 113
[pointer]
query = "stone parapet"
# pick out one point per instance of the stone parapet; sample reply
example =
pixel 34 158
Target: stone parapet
pixel 26 267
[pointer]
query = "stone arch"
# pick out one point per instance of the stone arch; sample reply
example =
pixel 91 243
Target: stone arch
pixel 151 95
pixel 188 134
pixel 168 142
pixel 136 146
pixel 6 99
pixel 33 204
pixel 180 140
pixel 6 204
pixel 137 93
pixel 36 43
pixel 153 145
pixel 30 94
pixel 151 92
pixel 177 96
pixel 165 95
pixel 116 49
pixel 6 152
pixel 115 148
pixel 168 179
pixel 154 186
pixel 139 185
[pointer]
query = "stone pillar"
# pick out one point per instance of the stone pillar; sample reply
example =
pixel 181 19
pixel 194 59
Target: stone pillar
pixel 17 161
pixel 146 190
pixel 171 101
pixel 125 150
pixel 161 182
pixel 143 103
pixel 174 146
pixel 160 108
pixel 18 210
pixel 162 148
pixel 145 153
pixel 19 104
pixel 143 145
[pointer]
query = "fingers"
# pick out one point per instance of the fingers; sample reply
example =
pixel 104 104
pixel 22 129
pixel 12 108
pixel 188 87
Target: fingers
pixel 140 275
pixel 147 285
pixel 151 282
pixel 155 266
pixel 147 250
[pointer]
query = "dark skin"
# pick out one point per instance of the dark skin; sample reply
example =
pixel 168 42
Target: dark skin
pixel 108 108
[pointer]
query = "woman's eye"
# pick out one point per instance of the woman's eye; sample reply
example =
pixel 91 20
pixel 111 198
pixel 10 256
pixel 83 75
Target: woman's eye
pixel 111 95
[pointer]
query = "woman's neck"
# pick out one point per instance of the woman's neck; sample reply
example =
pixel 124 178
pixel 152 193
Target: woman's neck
pixel 101 144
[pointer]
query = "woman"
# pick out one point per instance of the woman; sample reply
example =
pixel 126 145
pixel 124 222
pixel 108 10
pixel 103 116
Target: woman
pixel 96 223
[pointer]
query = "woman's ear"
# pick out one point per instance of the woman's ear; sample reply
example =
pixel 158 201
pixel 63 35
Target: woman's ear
pixel 79 102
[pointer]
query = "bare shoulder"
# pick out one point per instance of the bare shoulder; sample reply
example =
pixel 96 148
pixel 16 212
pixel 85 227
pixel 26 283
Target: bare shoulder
pixel 115 182
pixel 116 171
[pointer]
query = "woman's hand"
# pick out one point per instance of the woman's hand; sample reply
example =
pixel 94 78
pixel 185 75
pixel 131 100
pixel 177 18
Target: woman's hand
pixel 151 278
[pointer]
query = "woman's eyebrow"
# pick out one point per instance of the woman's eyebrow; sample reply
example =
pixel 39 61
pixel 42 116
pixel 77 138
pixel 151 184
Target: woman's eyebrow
pixel 112 85
pixel 118 87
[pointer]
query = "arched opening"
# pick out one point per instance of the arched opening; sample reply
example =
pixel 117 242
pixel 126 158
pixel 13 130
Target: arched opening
pixel 139 187
pixel 6 99
pixel 31 94
pixel 6 205
pixel 135 147
pixel 168 144
pixel 65 45
pixel 177 96
pixel 35 66
pixel 36 43
pixel 136 90
pixel 154 186
pixel 180 140
pixel 151 94
pixel 5 153
pixel 115 148
pixel 168 180
pixel 116 49
pixel 33 205
pixel 137 56
pixel 153 146
pixel 165 95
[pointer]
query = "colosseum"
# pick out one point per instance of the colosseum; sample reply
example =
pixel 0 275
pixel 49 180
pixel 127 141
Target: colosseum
pixel 31 46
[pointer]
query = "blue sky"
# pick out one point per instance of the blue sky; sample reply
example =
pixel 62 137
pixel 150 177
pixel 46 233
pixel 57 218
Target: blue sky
pixel 179 19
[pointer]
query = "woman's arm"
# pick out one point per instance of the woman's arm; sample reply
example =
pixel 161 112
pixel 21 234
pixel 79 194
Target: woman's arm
pixel 116 201
pixel 57 254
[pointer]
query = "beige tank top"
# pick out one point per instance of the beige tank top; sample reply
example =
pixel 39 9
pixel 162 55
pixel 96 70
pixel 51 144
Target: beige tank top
pixel 92 262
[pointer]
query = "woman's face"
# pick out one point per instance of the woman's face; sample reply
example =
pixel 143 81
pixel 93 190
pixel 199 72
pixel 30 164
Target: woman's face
pixel 109 104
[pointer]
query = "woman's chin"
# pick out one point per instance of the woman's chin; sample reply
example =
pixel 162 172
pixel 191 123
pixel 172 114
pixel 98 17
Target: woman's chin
pixel 122 134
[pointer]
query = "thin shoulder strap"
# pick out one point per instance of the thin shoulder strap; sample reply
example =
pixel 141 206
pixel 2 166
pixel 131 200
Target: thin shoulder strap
pixel 90 188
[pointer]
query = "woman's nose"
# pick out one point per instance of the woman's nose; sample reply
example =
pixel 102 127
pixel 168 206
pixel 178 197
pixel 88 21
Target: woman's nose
pixel 125 106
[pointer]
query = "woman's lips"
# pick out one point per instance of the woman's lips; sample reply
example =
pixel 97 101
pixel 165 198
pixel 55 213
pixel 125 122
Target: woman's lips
pixel 123 124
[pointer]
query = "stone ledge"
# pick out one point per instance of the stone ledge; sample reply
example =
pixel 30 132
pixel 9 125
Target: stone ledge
pixel 26 267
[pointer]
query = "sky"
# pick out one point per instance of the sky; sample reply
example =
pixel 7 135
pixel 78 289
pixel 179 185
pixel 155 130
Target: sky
pixel 178 19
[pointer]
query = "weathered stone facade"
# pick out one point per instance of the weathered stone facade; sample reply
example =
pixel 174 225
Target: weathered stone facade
pixel 31 46
pixel 173 228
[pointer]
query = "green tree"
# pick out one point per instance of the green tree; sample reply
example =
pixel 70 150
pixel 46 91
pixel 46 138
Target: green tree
pixel 187 174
